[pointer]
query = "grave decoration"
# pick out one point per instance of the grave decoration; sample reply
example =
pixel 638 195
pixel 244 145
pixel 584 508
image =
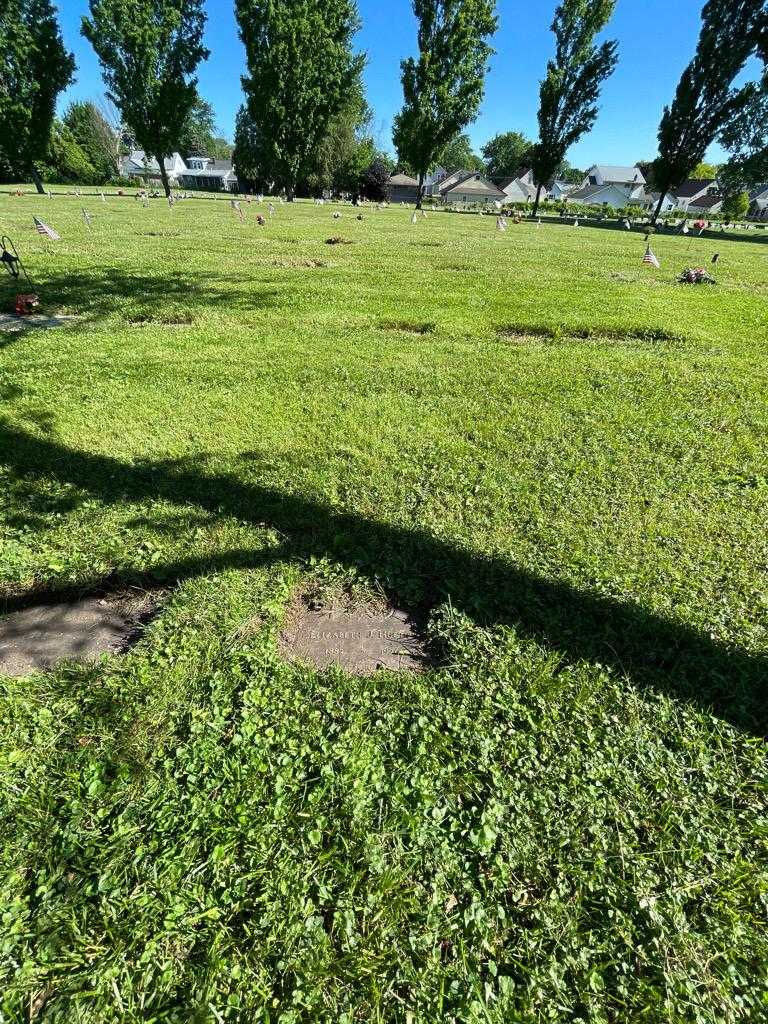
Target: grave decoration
pixel 695 275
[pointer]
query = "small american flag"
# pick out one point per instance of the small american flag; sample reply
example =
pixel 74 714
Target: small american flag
pixel 102 198
pixel 43 229
pixel 413 218
pixel 501 224
pixel 271 209
pixel 235 204
pixel 650 258
pixel 86 217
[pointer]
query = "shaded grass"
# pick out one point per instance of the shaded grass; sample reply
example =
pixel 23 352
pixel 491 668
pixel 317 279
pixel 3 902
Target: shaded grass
pixel 566 819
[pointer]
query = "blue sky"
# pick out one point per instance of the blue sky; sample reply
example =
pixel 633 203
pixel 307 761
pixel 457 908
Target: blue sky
pixel 656 40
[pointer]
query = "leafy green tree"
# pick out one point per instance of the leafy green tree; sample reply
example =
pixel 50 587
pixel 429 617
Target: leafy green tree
pixel 95 137
pixel 506 154
pixel 346 149
pixel 569 93
pixel 301 73
pixel 704 170
pixel 459 154
pixel 570 174
pixel 736 205
pixel 35 68
pixel 705 100
pixel 66 160
pixel 443 87
pixel 149 51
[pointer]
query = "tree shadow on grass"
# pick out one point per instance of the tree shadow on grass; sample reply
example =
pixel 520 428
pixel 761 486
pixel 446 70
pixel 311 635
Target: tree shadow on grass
pixel 165 298
pixel 417 571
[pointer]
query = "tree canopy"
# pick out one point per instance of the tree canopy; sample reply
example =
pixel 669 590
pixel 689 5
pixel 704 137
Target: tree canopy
pixel 705 101
pixel 149 51
pixel 459 153
pixel 36 67
pixel 442 87
pixel 301 74
pixel 95 137
pixel 568 94
pixel 506 154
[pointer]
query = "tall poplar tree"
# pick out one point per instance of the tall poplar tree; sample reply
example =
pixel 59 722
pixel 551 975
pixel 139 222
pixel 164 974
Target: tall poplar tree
pixel 705 100
pixel 442 87
pixel 149 51
pixel 301 74
pixel 568 94
pixel 35 68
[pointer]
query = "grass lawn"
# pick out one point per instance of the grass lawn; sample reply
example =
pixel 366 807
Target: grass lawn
pixel 555 457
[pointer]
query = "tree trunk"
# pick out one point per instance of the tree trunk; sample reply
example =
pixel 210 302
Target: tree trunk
pixel 536 203
pixel 164 176
pixel 37 181
pixel 657 211
pixel 290 192
pixel 420 194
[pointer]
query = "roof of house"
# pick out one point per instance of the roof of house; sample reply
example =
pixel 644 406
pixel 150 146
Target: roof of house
pixel 759 191
pixel 139 159
pixel 213 169
pixel 692 187
pixel 589 191
pixel 402 179
pixel 564 186
pixel 483 186
pixel 620 175
pixel 706 202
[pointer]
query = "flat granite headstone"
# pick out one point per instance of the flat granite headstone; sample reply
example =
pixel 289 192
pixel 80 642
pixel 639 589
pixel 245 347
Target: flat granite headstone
pixel 37 638
pixel 9 322
pixel 360 641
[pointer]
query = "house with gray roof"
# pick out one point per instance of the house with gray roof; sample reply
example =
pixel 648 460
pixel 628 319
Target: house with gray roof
pixel 521 188
pixel 611 174
pixel 692 189
pixel 209 175
pixel 758 201
pixel 402 188
pixel 145 168
pixel 470 188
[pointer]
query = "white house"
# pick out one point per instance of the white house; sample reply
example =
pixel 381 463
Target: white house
pixel 608 174
pixel 692 189
pixel 651 201
pixel 433 179
pixel 758 201
pixel 561 189
pixel 202 172
pixel 138 165
pixel 520 189
pixel 470 188
pixel 608 195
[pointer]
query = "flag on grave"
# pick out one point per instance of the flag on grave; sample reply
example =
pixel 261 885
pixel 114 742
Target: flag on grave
pixel 501 224
pixel 102 198
pixel 538 223
pixel 650 258
pixel 413 218
pixel 271 210
pixel 43 229
pixel 86 217
pixel 236 208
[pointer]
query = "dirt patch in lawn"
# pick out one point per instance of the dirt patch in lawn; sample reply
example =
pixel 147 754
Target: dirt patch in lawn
pixel 522 332
pixel 338 240
pixel 407 326
pixel 288 264
pixel 166 319
pixel 359 638
pixel 52 629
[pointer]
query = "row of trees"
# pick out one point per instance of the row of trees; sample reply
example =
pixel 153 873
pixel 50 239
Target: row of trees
pixel 305 120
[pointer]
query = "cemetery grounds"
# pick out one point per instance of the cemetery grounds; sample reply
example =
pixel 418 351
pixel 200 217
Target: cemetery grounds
pixel 549 455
